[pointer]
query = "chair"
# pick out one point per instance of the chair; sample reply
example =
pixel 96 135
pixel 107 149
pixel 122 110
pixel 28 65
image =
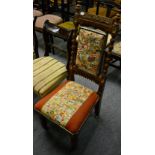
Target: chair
pixel 48 72
pixel 51 31
pixel 69 105
pixel 116 54
pixel 38 22
pixel 62 6
pixel 108 8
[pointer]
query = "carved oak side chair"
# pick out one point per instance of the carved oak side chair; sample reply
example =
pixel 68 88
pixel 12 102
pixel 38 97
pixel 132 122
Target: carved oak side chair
pixel 69 105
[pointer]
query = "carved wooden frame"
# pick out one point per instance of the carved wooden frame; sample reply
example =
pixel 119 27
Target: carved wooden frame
pixel 63 33
pixel 109 26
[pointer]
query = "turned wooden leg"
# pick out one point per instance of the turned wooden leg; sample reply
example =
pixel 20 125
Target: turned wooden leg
pixel 97 108
pixel 52 41
pixel 35 40
pixel 74 141
pixel 46 37
pixel 43 122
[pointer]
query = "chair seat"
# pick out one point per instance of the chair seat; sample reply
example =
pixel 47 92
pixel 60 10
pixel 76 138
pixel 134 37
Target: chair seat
pixel 52 18
pixel 68 105
pixel 117 48
pixel 47 74
pixel 102 11
pixel 37 13
pixel 67 25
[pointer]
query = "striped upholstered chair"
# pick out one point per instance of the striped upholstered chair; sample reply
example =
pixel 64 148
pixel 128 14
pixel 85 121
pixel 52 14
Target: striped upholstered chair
pixel 69 105
pixel 47 71
pixel 47 74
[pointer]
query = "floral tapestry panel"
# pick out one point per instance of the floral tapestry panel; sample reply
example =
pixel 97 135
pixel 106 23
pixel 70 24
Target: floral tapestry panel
pixel 89 50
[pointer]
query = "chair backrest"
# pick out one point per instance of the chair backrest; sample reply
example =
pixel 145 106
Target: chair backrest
pixel 89 57
pixel 60 32
pixel 110 5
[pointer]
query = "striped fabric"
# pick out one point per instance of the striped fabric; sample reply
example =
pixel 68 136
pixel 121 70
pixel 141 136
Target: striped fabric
pixel 47 74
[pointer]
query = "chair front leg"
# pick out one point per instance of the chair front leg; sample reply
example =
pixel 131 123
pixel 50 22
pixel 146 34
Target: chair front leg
pixel 97 108
pixel 35 44
pixel 43 122
pixel 74 141
pixel 46 37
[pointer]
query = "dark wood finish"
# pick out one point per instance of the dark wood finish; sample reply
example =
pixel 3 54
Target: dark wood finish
pixel 85 3
pixel 110 5
pixel 35 40
pixel 62 33
pixel 74 141
pixel 43 122
pixel 64 8
pixel 110 27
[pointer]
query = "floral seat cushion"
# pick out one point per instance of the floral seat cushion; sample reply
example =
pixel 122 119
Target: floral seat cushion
pixel 90 43
pixel 47 74
pixel 68 105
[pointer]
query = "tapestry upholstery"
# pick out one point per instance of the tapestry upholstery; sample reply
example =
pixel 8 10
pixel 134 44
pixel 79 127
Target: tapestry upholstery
pixel 68 105
pixel 47 74
pixel 90 43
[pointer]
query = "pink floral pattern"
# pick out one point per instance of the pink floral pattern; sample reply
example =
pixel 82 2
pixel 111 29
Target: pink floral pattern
pixel 89 50
pixel 66 102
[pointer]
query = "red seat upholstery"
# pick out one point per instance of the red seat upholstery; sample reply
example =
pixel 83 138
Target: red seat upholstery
pixel 76 120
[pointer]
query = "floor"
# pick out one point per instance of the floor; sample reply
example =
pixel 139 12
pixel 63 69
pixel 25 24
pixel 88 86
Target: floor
pixel 100 136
